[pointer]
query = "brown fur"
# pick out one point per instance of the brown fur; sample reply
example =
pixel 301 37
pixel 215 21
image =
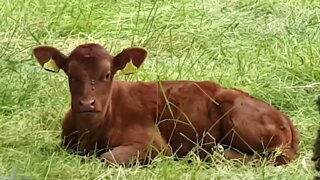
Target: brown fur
pixel 140 119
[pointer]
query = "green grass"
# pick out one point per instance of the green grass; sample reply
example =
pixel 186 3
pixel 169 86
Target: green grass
pixel 270 48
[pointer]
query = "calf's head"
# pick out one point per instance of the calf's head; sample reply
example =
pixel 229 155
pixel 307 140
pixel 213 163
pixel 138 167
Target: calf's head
pixel 90 70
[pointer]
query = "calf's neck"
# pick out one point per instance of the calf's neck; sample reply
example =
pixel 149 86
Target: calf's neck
pixel 139 120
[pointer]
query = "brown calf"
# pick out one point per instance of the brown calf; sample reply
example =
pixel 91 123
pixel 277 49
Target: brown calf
pixel 140 119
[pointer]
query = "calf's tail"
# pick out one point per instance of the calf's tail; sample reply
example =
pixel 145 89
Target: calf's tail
pixel 295 142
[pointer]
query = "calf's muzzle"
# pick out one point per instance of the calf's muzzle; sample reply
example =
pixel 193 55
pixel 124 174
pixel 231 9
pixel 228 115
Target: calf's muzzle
pixel 87 105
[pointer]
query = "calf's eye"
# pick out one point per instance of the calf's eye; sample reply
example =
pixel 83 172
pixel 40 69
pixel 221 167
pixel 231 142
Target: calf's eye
pixel 107 77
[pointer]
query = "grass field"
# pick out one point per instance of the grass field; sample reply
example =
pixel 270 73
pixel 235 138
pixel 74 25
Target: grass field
pixel 270 48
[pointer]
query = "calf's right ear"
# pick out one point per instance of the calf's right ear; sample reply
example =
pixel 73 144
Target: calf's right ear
pixel 50 58
pixel 129 60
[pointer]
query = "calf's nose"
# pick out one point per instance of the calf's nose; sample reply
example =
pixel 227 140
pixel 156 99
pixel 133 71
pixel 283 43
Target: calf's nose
pixel 87 102
pixel 87 105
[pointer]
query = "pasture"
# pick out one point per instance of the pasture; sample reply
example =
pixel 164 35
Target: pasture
pixel 269 48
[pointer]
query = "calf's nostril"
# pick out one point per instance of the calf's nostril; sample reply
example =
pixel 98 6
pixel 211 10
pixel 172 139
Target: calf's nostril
pixel 92 102
pixel 87 103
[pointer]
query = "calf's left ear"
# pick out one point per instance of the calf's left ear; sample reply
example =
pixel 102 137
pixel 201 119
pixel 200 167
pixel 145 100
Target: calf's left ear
pixel 129 60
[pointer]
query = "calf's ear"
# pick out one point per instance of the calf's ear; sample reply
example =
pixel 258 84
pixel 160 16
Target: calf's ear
pixel 129 60
pixel 50 58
